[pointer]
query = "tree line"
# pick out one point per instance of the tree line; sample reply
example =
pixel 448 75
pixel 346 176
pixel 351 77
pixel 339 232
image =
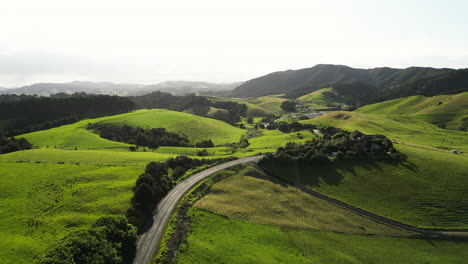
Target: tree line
pixel 31 113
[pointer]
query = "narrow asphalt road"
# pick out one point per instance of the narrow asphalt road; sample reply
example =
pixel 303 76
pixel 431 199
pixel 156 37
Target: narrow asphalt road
pixel 148 242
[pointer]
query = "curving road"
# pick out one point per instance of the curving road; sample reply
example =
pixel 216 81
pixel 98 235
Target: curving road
pixel 148 242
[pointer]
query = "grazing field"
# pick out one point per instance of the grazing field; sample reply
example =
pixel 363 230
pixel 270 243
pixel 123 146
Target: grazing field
pixel 84 157
pixel 40 203
pixel 323 98
pixel 194 127
pixel 404 129
pixel 219 239
pixel 428 190
pixel 261 106
pixel 283 205
pixel 442 110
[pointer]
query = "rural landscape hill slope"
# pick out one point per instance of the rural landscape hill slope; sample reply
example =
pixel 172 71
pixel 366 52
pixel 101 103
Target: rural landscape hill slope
pixel 194 127
pixel 446 111
pixel 363 86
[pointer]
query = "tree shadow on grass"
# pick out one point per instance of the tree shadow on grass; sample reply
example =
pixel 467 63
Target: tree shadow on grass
pixel 330 174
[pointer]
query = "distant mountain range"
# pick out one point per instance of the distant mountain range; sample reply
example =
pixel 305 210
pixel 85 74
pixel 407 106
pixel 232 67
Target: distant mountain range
pixel 363 85
pixel 174 87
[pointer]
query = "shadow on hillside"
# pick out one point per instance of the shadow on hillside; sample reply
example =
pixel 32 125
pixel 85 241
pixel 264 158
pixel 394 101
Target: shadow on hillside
pixel 333 173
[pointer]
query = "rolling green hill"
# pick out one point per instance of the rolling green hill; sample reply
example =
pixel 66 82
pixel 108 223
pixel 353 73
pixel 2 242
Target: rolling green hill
pixel 259 106
pixel 425 191
pixel 447 111
pixel 323 98
pixel 194 127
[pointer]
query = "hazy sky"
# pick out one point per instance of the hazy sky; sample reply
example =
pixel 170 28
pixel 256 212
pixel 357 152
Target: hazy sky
pixel 221 41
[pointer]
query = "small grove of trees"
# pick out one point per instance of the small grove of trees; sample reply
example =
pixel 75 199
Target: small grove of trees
pixel 152 138
pixel 336 144
pixel 150 188
pixel 205 144
pixel 108 240
pixel 288 106
pixel 12 144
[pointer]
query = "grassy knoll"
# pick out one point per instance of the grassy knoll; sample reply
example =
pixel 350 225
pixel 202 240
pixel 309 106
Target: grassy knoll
pixel 218 239
pixel 323 98
pixel 283 205
pixel 405 129
pixel 428 190
pixel 40 203
pixel 261 106
pixel 442 110
pixel 194 127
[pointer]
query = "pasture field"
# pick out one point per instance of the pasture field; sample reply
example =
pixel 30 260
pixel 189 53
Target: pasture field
pixel 261 106
pixel 428 190
pixel 400 128
pixel 323 98
pixel 194 127
pixel 96 157
pixel 216 238
pixel 40 203
pixel 283 205
pixel 448 111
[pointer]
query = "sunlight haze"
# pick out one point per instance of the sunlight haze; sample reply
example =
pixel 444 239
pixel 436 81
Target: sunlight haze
pixel 219 41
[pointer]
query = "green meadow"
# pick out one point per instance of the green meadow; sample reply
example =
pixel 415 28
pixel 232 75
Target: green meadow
pixel 40 203
pixel 446 111
pixel 215 238
pixel 253 196
pixel 194 127
pixel 323 98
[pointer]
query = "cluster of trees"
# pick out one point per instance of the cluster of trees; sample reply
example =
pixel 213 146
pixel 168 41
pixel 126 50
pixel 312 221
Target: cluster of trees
pixel 109 240
pixel 288 106
pixel 152 138
pixel 192 103
pixel 27 111
pixel 205 144
pixel 335 145
pixel 12 144
pixel 234 111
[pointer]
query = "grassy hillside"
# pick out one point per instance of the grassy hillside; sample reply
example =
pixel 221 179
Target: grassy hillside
pixel 404 129
pixel 283 205
pixel 442 110
pixel 323 98
pixel 194 127
pixel 425 191
pixel 40 203
pixel 261 106
pixel 218 239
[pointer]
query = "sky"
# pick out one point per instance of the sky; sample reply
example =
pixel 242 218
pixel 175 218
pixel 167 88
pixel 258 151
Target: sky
pixel 148 42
